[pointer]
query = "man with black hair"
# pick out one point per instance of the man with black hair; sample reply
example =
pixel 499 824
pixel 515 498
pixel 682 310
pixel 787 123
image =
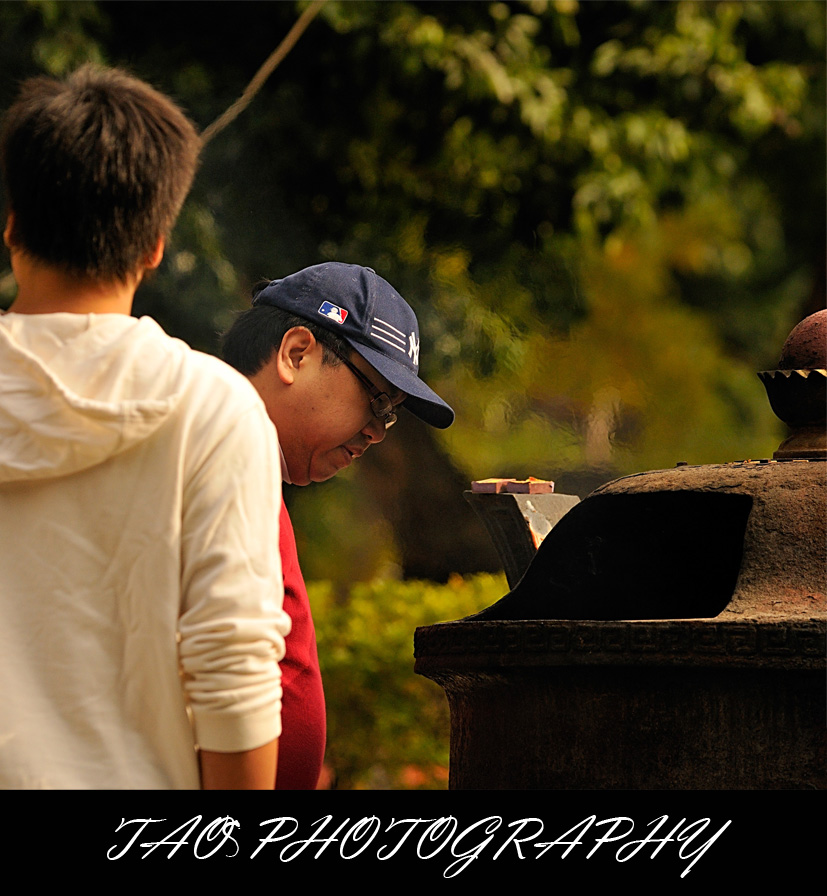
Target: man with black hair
pixel 141 618
pixel 333 350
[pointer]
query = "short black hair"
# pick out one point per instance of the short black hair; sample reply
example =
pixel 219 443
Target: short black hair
pixel 257 332
pixel 96 169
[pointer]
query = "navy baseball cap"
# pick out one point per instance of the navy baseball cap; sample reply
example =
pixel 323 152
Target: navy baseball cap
pixel 356 304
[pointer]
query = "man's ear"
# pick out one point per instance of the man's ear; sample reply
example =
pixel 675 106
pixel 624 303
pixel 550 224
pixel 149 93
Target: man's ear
pixel 296 349
pixel 153 259
pixel 9 229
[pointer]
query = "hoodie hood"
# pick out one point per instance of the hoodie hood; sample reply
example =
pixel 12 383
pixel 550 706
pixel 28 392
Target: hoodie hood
pixel 77 389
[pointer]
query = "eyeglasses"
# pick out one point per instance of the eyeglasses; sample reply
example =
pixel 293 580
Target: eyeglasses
pixel 380 402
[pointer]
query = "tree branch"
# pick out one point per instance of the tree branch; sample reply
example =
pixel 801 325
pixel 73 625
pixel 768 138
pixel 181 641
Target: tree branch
pixel 264 72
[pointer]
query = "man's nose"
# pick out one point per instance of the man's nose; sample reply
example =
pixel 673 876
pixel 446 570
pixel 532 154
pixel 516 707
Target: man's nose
pixel 375 429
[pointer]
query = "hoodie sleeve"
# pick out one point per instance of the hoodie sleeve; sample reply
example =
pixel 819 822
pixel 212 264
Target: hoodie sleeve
pixel 232 624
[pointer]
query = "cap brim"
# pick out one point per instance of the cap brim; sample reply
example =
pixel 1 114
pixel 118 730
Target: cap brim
pixel 422 401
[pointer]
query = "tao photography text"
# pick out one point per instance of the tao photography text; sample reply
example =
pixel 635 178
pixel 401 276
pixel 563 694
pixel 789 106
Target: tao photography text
pixel 445 841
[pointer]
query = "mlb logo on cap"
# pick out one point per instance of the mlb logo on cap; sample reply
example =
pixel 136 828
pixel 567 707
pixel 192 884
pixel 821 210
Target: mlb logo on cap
pixel 334 312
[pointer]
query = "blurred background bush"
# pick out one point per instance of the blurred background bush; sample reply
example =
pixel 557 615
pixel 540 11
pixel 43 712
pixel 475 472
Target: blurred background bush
pixel 388 729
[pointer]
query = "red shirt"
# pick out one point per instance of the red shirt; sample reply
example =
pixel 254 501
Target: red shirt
pixel 302 741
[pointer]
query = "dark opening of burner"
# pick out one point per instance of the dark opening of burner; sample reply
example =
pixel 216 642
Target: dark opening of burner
pixel 665 555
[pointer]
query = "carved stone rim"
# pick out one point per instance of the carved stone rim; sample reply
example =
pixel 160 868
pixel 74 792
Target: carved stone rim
pixel 488 646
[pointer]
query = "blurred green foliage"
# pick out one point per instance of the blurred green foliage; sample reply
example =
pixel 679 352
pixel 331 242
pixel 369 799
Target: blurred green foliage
pixel 608 215
pixel 388 729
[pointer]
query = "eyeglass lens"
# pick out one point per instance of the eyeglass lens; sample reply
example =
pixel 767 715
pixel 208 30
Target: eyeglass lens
pixel 380 404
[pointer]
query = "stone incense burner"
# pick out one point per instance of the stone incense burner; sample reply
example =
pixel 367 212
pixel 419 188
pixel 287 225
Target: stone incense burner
pixel 669 632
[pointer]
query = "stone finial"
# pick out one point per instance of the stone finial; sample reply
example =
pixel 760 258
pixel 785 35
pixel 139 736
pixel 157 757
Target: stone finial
pixel 797 390
pixel 806 346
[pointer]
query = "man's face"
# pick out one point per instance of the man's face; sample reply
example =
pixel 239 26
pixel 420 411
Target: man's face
pixel 322 412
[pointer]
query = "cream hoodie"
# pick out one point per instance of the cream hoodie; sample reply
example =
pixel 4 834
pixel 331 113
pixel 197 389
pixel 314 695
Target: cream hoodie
pixel 140 579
